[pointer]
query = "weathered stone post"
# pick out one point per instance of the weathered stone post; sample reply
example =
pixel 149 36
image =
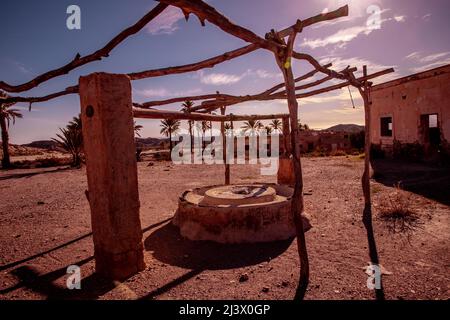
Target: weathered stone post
pixel 286 167
pixel 109 145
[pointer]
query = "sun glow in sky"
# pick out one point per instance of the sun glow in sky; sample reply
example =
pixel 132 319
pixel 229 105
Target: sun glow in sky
pixel 411 36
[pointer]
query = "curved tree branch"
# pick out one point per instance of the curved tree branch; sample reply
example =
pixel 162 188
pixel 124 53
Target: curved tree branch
pixel 78 61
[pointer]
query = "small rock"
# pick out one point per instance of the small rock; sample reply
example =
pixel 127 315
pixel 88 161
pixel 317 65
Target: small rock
pixel 150 164
pixel 41 202
pixel 17 235
pixel 243 277
pixel 265 289
pixel 285 283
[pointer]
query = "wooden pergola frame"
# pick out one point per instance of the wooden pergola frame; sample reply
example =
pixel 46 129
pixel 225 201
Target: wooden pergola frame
pixel 281 44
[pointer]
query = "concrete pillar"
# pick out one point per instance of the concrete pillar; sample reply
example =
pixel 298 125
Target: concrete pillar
pixel 109 145
pixel 285 173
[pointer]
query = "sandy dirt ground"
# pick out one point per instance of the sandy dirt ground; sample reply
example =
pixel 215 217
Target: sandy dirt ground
pixel 45 227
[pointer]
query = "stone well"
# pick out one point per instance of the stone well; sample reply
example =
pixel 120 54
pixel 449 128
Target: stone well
pixel 237 213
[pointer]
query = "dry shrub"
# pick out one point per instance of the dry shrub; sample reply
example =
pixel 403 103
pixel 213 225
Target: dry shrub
pixel 41 163
pixel 396 211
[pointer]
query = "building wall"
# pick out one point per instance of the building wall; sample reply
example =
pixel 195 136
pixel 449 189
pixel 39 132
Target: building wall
pixel 405 100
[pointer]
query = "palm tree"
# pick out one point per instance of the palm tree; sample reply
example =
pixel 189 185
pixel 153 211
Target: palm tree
pixel 71 140
pixel 137 128
pixel 276 125
pixel 252 125
pixel 227 126
pixel 269 130
pixel 169 127
pixel 6 115
pixel 205 126
pixel 187 105
pixel 302 127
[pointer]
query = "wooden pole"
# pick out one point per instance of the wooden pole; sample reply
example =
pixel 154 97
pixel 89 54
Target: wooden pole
pixel 367 212
pixel 366 175
pixel 285 174
pixel 286 136
pixel 109 145
pixel 283 59
pixel 224 145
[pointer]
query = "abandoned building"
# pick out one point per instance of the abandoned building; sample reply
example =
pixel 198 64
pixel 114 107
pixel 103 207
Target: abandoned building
pixel 414 110
pixel 329 141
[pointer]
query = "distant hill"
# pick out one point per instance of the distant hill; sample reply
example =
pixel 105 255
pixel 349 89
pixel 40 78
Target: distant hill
pixel 43 144
pixel 351 128
pixel 150 142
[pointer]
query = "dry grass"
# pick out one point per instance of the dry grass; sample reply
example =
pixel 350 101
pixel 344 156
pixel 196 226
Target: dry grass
pixel 396 211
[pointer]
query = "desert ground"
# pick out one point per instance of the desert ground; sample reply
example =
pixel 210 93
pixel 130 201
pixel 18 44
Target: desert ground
pixel 45 227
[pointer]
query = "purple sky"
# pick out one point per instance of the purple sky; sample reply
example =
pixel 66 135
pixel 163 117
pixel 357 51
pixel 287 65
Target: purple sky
pixel 412 36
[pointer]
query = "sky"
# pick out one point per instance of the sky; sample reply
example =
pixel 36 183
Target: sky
pixel 409 35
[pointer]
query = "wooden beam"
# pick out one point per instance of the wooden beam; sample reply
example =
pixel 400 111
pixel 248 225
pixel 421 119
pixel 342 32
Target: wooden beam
pixel 339 13
pixel 79 61
pixel 212 104
pixel 344 84
pixel 206 12
pixel 208 63
pixel 182 99
pixel 175 115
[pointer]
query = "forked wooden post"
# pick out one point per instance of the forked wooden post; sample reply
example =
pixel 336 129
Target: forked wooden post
pixel 366 177
pixel 107 121
pixel 224 146
pixel 285 173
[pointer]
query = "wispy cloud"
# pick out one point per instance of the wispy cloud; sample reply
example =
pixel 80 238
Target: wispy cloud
pixel 341 63
pixel 166 22
pixel 430 61
pixel 23 108
pixel 418 56
pixel 343 36
pixel 427 17
pixel 220 78
pixel 333 22
pixel 431 65
pixel 264 74
pixel 163 92
pixel 229 78
pixel 335 97
pixel 340 38
pixel 400 18
pixel 22 68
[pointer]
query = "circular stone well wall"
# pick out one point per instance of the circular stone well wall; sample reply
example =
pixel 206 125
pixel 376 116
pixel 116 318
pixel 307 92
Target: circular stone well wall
pixel 236 213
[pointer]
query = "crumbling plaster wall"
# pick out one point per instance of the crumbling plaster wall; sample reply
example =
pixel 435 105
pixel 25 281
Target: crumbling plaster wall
pixel 406 99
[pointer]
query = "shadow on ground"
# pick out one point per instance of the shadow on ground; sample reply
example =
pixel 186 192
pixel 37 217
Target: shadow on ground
pixel 424 179
pixel 36 172
pixel 168 246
